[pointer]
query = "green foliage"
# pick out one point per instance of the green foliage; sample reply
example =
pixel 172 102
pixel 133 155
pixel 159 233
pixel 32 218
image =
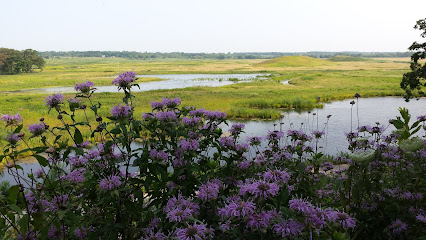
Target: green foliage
pixel 14 61
pixel 402 124
pixel 414 82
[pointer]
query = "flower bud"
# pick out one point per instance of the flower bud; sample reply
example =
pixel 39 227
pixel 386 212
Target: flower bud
pixel 41 119
pixel 60 116
pixel 99 119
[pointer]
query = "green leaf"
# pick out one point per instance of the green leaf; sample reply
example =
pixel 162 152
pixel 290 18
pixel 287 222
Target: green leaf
pixel 78 138
pixel 15 208
pixel 398 124
pixel 23 223
pixel 41 160
pixel 18 129
pixel 13 193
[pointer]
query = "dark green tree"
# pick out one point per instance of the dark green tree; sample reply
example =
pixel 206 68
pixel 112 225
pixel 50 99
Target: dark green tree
pixel 13 61
pixel 415 81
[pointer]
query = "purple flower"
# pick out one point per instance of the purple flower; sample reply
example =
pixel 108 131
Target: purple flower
pixel 289 228
pixel 421 118
pixel 237 209
pixel 236 128
pixel 197 112
pixel 343 219
pixel 81 232
pixel 227 142
pixel 421 218
pixel 12 120
pixel 179 209
pixel 214 115
pixel 195 121
pixel 274 135
pixel 121 111
pixel 76 175
pixel 327 166
pixel 37 129
pixel 84 87
pixel 167 116
pixel 209 190
pixel 194 232
pixel 260 220
pixel 254 141
pixel 110 183
pixel 54 101
pixel 277 176
pixel 13 139
pixel 158 155
pixel 189 145
pixel 397 227
pixel 260 189
pixel 29 236
pixel 54 234
pixel 171 103
pixel 124 80
pixel 317 134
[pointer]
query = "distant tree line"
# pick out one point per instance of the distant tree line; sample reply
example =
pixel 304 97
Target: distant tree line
pixel 14 61
pixel 236 55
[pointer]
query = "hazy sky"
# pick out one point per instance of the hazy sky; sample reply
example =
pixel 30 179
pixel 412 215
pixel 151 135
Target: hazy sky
pixel 210 26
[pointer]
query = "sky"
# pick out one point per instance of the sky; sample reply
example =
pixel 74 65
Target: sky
pixel 210 26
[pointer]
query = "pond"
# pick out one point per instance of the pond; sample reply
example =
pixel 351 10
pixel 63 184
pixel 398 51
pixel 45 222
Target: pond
pixel 171 81
pixel 371 110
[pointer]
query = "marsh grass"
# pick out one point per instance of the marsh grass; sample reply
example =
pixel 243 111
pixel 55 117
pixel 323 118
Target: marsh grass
pixel 260 98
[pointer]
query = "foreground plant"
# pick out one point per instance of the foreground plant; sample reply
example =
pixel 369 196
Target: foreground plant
pixel 173 174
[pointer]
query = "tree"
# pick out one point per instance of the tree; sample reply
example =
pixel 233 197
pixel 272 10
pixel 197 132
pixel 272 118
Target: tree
pixel 13 61
pixel 415 81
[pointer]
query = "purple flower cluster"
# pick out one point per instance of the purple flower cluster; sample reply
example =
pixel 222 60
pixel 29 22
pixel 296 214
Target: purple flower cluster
pixel 54 101
pixel 317 217
pixel 259 221
pixel 166 116
pixel 13 139
pixel 76 175
pixel 421 118
pixel 317 134
pixel 37 129
pixel 280 176
pixel 209 190
pixel 110 183
pixel 237 208
pixel 397 227
pixel 11 120
pixel 260 189
pixel 236 128
pixel 84 87
pixel 289 228
pixel 121 111
pixel 274 135
pixel 179 209
pixel 254 141
pixel 158 155
pixel 166 103
pixel 189 144
pixel 214 115
pixel 194 232
pixel 194 121
pixel 299 135
pixel 124 80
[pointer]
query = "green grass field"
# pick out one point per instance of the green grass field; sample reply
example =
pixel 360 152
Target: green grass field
pixel 261 99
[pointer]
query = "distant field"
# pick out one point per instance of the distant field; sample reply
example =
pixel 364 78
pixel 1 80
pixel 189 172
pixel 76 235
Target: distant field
pixel 258 99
